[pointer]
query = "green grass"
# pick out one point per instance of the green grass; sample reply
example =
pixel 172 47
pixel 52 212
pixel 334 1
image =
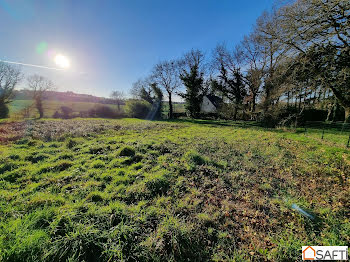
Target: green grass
pixel 51 106
pixel 133 190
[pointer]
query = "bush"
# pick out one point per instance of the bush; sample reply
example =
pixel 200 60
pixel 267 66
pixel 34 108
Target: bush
pixel 281 117
pixel 66 112
pixel 56 115
pixel 137 108
pixel 104 112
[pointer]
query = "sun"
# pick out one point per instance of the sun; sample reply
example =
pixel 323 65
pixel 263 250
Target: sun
pixel 62 61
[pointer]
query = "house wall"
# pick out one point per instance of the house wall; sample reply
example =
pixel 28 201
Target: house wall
pixel 207 106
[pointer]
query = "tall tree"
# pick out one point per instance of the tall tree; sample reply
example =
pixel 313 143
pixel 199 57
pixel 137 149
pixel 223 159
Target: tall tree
pixel 254 59
pixel 192 79
pixel 273 52
pixel 39 86
pixel 313 29
pixel 166 75
pixel 10 76
pixel 231 82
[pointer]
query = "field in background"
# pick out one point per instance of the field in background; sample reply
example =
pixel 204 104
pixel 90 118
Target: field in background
pixel 133 190
pixel 177 107
pixel 50 106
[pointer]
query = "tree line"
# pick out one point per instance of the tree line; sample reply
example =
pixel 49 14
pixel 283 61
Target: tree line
pixel 297 56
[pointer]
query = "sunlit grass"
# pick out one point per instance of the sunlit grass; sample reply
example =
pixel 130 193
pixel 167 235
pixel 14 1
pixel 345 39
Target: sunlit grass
pixel 126 190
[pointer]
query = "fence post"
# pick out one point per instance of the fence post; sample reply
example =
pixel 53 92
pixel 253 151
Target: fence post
pixel 348 141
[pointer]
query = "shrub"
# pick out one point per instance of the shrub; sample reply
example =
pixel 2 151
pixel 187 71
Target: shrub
pixel 66 112
pixel 137 108
pixel 104 112
pixel 56 115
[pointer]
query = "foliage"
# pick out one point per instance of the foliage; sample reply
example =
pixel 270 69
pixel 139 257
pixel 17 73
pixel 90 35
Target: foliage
pixel 193 81
pixel 137 108
pixel 105 112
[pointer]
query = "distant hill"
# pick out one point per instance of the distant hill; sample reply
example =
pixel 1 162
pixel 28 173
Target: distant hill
pixel 64 96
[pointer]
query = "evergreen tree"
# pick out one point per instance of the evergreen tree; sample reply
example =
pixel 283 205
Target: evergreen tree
pixel 193 82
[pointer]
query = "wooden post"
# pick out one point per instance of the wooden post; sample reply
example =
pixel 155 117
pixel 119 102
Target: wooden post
pixel 348 141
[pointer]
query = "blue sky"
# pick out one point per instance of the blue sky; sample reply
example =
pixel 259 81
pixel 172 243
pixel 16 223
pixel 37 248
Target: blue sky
pixel 110 44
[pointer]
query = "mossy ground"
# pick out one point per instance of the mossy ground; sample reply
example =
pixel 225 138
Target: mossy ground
pixel 132 190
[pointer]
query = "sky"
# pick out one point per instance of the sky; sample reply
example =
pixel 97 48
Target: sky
pixel 112 43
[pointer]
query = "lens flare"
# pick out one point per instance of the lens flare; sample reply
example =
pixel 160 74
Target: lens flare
pixel 41 47
pixel 62 61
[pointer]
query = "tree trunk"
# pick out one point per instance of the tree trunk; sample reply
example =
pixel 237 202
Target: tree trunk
pixel 253 103
pixel 39 106
pixel 347 114
pixel 170 107
pixel 4 111
pixel 235 110
pixel 267 99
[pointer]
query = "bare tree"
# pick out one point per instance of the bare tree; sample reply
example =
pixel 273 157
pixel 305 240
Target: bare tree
pixel 273 51
pixel 10 76
pixel 39 85
pixel 318 33
pixel 193 58
pixel 117 96
pixel 142 89
pixel 166 75
pixel 137 86
pixel 255 61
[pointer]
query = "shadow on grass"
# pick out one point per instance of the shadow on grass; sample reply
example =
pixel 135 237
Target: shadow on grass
pixel 243 124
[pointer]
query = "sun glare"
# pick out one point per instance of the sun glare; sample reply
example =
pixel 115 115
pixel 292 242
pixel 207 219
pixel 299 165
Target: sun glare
pixel 62 61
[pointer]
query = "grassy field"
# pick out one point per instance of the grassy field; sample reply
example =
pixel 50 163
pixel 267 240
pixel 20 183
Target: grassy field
pixel 51 106
pixel 133 190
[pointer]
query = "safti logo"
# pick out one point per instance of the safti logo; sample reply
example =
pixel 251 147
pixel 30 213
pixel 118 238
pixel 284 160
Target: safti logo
pixel 325 253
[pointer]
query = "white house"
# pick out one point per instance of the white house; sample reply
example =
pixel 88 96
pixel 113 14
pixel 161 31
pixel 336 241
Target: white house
pixel 210 104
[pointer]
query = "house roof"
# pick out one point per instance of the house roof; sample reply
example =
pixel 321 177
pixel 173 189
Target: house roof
pixel 215 100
